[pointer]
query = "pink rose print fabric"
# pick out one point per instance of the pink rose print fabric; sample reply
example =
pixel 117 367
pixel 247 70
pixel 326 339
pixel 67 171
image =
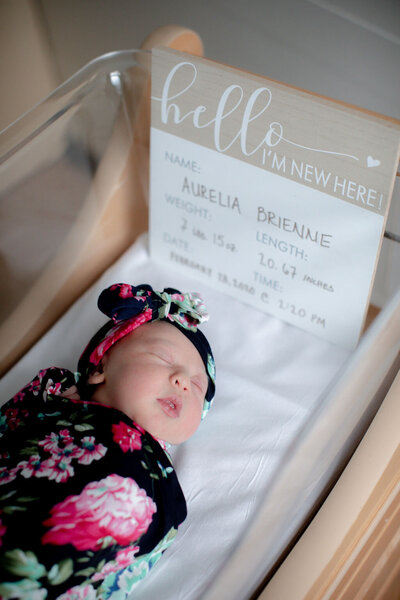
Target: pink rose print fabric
pixel 128 438
pixel 89 501
pixel 113 510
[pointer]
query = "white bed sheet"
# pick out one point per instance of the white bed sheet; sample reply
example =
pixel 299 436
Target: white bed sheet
pixel 269 376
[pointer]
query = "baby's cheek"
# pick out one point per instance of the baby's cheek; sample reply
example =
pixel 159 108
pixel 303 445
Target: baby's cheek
pixel 196 417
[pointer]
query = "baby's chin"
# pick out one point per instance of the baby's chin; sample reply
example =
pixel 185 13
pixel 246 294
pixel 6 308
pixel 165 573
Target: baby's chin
pixel 173 434
pixel 171 439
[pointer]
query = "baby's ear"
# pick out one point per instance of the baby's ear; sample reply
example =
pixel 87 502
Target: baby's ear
pixel 97 376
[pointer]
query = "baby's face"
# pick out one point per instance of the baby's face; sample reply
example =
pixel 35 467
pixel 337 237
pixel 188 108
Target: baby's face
pixel 156 376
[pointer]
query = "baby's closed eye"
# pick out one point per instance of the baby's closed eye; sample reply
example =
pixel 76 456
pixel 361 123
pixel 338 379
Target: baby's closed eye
pixel 164 356
pixel 200 384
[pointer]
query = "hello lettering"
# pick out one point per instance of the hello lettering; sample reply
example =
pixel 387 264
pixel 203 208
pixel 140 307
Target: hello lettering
pixel 230 101
pixel 247 114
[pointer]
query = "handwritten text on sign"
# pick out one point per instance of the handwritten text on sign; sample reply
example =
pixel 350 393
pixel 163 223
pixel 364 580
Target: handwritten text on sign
pixel 268 193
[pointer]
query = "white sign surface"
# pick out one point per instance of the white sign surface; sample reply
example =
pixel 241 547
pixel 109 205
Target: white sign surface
pixel 285 214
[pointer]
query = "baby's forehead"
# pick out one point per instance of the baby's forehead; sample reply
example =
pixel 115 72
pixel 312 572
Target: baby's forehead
pixel 159 331
pixel 166 335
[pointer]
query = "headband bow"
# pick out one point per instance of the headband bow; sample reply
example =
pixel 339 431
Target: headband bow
pixel 122 301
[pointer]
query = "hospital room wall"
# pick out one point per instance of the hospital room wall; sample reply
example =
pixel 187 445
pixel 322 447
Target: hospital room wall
pixel 345 49
pixel 27 66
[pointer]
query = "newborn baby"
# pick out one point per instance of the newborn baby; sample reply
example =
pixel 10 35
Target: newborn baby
pixel 89 499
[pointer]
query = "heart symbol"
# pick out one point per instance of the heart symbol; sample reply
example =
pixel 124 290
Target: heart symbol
pixel 373 162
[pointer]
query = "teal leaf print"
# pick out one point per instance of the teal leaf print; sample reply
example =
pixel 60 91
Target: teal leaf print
pixel 20 589
pixel 9 510
pixel 23 564
pixel 86 572
pixel 44 415
pixel 83 427
pixel 61 571
pixel 211 367
pixel 7 496
pixel 30 449
pixel 164 471
pixel 27 499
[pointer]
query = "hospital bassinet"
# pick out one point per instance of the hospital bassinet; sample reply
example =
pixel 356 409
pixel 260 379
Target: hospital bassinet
pixel 73 197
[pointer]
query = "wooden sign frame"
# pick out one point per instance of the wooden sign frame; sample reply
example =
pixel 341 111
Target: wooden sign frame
pixel 269 193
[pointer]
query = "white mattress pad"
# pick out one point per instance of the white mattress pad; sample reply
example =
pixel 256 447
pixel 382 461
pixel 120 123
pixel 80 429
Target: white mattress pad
pixel 269 377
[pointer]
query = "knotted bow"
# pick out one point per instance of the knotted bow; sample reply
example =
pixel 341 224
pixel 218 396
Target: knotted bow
pixel 123 301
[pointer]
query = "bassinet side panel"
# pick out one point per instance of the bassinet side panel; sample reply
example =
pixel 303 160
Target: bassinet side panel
pixel 351 549
pixel 113 214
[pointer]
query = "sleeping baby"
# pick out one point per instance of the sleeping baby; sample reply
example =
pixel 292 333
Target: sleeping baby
pixel 89 499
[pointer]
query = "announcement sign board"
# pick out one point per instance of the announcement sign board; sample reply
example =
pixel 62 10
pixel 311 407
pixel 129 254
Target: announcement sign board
pixel 269 193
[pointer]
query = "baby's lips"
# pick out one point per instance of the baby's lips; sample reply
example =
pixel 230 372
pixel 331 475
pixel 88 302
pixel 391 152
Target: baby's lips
pixel 171 405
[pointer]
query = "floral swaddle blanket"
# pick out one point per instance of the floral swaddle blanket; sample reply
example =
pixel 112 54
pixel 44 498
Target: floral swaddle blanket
pixel 89 501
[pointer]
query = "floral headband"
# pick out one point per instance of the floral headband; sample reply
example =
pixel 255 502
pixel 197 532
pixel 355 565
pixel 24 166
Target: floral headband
pixel 129 307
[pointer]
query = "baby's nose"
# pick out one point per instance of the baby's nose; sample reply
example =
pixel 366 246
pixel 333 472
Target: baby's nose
pixel 179 379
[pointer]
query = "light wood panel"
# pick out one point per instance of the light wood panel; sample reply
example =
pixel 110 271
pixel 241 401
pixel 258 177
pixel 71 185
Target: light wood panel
pixel 351 550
